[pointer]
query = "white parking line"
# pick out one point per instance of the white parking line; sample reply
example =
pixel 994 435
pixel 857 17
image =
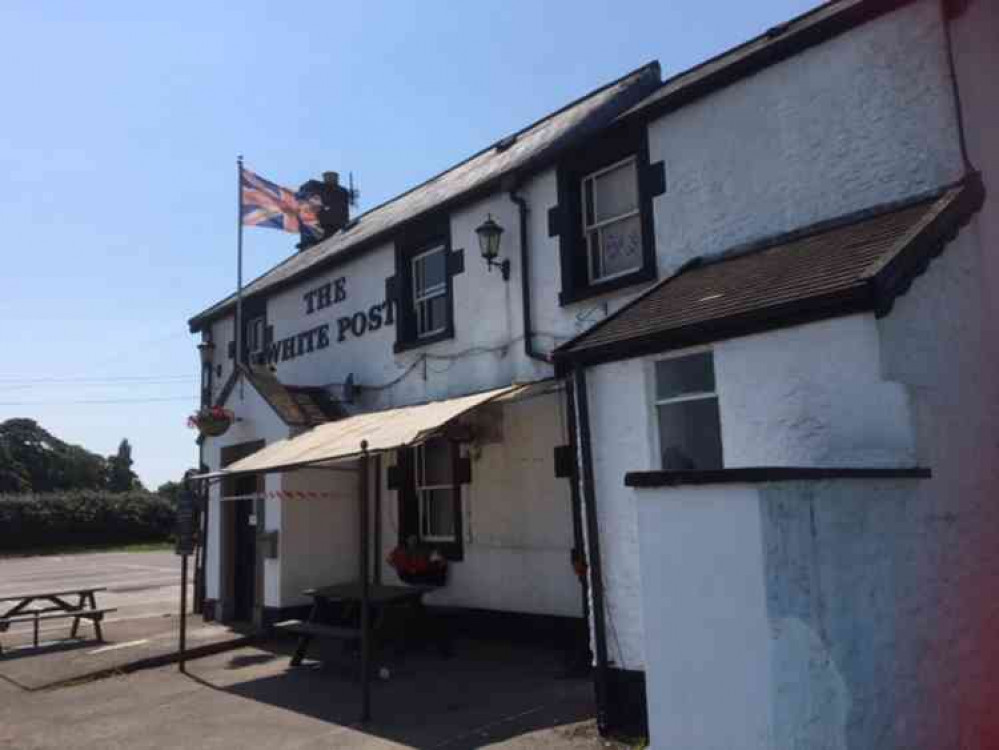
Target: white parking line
pixel 115 647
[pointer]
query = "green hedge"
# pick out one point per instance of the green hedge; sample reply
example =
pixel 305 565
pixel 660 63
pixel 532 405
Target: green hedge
pixel 83 518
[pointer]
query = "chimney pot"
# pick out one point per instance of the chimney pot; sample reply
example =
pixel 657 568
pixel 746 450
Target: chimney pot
pixel 331 178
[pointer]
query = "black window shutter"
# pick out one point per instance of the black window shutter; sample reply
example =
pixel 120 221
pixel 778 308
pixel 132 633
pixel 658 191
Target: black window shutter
pixel 554 221
pixel 563 461
pixel 456 262
pixel 409 512
pixel 463 469
pixel 653 179
pixel 268 335
pixel 393 477
pixel 391 289
pixel 232 349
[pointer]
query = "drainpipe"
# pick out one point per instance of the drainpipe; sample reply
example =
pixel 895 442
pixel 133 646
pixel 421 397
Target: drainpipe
pixel 949 11
pixel 525 283
pixel 593 540
pixel 578 540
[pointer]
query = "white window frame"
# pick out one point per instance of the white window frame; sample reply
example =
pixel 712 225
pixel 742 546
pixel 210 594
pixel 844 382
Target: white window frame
pixel 697 396
pixel 422 300
pixel 421 498
pixel 588 229
pixel 255 335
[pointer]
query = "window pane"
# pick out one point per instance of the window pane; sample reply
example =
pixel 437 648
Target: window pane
pixel 616 192
pixel 621 247
pixel 429 272
pixel 436 455
pixel 690 435
pixel 683 375
pixel 438 312
pixel 437 514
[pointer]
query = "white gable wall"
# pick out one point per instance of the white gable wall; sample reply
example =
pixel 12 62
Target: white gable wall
pixel 810 395
pixel 255 421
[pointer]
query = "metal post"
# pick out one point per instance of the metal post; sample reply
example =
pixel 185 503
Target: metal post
pixel 378 520
pixel 183 613
pixel 238 359
pixel 365 585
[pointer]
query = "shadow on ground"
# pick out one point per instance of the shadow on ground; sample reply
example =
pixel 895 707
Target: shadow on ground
pixel 484 693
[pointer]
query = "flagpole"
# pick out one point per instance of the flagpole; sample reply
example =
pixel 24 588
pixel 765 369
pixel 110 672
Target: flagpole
pixel 239 269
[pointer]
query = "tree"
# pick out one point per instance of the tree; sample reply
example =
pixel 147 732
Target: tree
pixel 170 490
pixel 34 460
pixel 121 478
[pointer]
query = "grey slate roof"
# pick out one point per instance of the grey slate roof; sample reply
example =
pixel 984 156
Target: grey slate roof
pixel 858 263
pixel 531 148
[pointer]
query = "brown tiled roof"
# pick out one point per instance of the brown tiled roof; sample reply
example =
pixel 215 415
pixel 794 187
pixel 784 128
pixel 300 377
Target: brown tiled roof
pixel 853 264
pixel 298 406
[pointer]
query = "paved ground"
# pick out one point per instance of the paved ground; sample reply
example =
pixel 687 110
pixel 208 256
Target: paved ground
pixel 486 696
pixel 143 586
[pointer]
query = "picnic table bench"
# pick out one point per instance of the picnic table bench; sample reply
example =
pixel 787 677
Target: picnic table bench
pixel 54 605
pixel 381 598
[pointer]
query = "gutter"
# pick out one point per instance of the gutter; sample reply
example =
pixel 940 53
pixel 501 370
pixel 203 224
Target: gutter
pixel 525 281
pixel 593 542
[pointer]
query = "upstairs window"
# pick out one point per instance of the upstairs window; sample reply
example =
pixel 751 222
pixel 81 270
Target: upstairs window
pixel 604 215
pixel 612 228
pixel 255 335
pixel 687 413
pixel 430 292
pixel 422 287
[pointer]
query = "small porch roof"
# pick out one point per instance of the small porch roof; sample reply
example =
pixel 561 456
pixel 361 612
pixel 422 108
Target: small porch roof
pixel 342 440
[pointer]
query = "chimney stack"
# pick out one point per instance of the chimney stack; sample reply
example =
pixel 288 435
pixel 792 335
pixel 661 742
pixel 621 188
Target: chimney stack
pixel 334 212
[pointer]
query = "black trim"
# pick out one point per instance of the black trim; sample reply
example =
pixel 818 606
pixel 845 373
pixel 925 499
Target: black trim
pixel 433 233
pixel 755 474
pixel 565 461
pixel 619 143
pixel 627 708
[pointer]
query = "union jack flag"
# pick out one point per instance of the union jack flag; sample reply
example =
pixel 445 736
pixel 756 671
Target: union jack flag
pixel 264 204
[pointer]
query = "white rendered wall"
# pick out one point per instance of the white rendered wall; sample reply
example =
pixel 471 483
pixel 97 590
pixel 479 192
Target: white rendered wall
pixel 941 340
pixel 255 421
pixel 810 395
pixel 517 521
pixel 319 536
pixel 863 119
pixel 707 632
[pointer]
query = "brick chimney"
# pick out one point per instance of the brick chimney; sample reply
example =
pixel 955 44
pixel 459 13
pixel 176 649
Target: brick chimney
pixel 335 200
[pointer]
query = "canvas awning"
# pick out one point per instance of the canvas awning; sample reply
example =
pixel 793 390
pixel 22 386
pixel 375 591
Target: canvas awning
pixel 341 440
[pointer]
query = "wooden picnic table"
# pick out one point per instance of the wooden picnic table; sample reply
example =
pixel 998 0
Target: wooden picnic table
pixel 54 605
pixel 380 598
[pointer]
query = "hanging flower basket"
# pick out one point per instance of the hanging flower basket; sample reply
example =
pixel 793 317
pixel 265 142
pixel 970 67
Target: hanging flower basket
pixel 418 565
pixel 211 422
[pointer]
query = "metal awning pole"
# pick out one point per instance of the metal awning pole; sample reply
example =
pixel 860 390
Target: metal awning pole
pixel 362 492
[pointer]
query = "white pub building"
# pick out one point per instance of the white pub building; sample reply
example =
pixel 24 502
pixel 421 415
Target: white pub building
pixel 703 367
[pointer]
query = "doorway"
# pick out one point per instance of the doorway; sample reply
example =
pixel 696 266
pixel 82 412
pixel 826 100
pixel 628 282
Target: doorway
pixel 242 571
pixel 244 550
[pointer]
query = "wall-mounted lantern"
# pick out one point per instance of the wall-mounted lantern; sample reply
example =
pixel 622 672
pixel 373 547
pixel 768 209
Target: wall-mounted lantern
pixel 490 233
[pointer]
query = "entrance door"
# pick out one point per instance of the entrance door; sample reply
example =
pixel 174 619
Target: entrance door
pixel 245 551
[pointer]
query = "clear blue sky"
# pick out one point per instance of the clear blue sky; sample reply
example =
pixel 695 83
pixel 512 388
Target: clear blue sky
pixel 121 126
